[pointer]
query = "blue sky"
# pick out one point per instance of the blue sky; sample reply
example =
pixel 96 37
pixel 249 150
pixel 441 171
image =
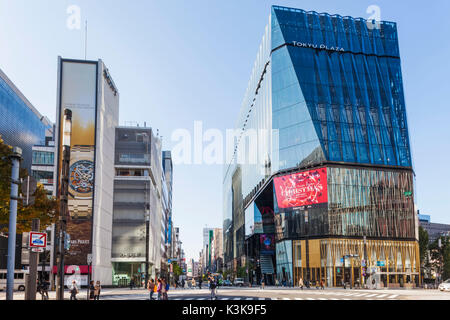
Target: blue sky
pixel 175 62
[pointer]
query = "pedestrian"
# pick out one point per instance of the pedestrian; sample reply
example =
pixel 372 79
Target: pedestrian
pixel 263 283
pixel 200 283
pixel 97 290
pixel 159 288
pixel 182 283
pixel 166 294
pixel 190 284
pixel 44 289
pixel 73 290
pixel 91 290
pixel 300 283
pixel 374 284
pixel 151 288
pixel 163 290
pixel 131 283
pixel 212 287
pixel 322 284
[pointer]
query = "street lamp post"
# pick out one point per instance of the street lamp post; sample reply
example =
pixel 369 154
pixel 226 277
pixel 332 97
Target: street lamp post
pixel 15 158
pixel 67 131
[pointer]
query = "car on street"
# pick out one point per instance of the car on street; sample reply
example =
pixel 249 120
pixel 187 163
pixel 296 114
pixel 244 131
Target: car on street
pixel 445 286
pixel 226 283
pixel 239 282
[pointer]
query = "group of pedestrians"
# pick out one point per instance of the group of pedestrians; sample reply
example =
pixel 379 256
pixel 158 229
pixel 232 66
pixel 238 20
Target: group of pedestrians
pixel 94 290
pixel 307 284
pixel 161 288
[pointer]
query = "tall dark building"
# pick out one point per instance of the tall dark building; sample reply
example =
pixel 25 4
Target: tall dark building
pixel 326 190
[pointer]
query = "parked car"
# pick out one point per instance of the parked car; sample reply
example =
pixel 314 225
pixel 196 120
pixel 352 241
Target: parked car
pixel 445 286
pixel 227 283
pixel 239 282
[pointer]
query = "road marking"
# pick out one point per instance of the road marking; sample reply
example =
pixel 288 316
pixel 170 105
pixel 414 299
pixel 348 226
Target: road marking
pixel 298 298
pixel 323 299
pixel 346 299
pixel 249 299
pixel 310 299
pixel 286 299
pixel 393 296
pixel 262 298
pixel 201 299
pixel 333 299
pixel 370 295
pixel 382 296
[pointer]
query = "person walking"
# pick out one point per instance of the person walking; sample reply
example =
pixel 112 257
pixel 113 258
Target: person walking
pixel 322 284
pixel 263 283
pixel 91 290
pixel 44 289
pixel 158 289
pixel 276 282
pixel 97 290
pixel 151 288
pixel 212 287
pixel 131 283
pixel 300 283
pixel 73 290
pixel 163 289
pixel 200 283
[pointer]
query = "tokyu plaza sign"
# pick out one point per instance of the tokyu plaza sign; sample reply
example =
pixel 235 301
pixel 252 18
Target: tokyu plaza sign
pixel 316 46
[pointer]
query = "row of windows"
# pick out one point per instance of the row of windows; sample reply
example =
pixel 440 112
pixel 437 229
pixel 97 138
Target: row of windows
pixel 43 158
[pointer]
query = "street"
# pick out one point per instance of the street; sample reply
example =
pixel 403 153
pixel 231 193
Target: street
pixel 269 293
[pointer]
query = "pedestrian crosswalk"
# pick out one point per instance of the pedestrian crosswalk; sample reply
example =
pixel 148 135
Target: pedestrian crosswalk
pixel 306 296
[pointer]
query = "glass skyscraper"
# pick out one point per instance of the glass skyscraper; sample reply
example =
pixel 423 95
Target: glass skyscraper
pixel 21 125
pixel 327 194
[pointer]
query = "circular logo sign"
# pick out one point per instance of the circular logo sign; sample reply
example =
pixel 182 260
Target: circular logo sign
pixel 82 176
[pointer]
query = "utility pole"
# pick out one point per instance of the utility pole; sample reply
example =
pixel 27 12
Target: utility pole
pixel 67 131
pixel 15 158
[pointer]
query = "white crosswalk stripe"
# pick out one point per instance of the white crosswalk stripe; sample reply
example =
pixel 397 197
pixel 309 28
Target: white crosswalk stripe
pixel 370 295
pixel 393 296
pixel 310 299
pixel 286 299
pixel 298 298
pixel 262 299
pixel 323 299
pixel 382 295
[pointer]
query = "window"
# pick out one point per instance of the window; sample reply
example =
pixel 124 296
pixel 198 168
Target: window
pixel 43 158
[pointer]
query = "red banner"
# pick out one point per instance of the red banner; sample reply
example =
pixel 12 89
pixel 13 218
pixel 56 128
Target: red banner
pixel 301 189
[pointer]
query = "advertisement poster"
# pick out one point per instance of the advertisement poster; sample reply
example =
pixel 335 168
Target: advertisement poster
pixel 78 93
pixel 267 242
pixel 301 189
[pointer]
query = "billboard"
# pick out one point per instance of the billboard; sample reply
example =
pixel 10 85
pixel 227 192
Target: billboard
pixel 267 243
pixel 301 189
pixel 78 92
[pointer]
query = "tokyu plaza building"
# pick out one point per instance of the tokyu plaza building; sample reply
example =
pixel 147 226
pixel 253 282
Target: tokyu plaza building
pixel 331 196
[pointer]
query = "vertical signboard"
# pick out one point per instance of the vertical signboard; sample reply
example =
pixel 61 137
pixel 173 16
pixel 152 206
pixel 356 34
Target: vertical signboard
pixel 78 92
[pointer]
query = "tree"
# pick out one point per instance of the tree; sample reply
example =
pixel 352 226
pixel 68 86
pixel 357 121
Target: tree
pixel 440 257
pixel 44 208
pixel 423 244
pixel 177 271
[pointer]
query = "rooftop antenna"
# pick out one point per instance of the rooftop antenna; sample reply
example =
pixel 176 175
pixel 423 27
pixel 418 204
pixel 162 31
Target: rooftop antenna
pixel 85 40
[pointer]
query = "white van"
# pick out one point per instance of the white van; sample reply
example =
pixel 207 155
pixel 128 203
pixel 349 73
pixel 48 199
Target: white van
pixel 19 279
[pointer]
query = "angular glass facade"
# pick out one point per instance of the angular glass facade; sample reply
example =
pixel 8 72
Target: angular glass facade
pixel 20 123
pixel 329 90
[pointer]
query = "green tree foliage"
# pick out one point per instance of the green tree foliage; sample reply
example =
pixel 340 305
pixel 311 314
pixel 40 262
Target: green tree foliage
pixel 44 209
pixel 177 271
pixel 423 244
pixel 440 256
